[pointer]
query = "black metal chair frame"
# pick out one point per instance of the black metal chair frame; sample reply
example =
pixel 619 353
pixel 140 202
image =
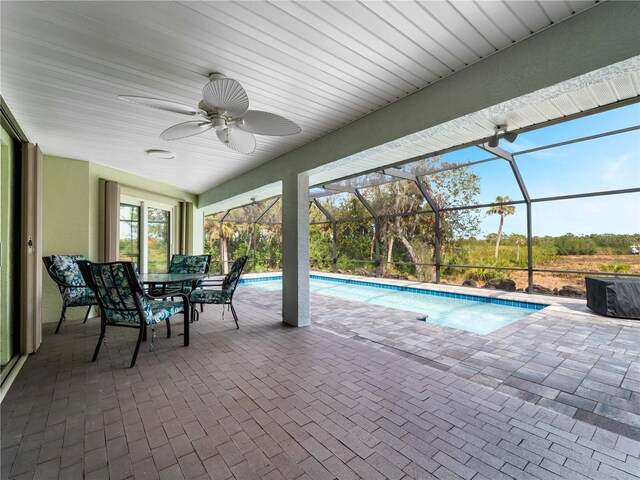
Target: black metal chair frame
pixel 134 281
pixel 62 286
pixel 218 282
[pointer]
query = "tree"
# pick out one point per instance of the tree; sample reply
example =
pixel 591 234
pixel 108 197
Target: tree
pixel 320 240
pixel 503 211
pixel 570 244
pixel 519 240
pixel 392 198
pixel 355 232
pixel 410 237
pixel 406 225
pixel 229 237
pixel 452 187
pixel 218 235
pixel 268 240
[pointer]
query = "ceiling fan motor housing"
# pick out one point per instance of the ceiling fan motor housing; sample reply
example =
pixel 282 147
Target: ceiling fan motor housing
pixel 218 123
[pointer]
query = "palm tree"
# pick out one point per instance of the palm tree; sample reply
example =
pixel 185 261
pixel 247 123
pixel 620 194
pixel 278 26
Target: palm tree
pixel 520 240
pixel 221 232
pixel 503 211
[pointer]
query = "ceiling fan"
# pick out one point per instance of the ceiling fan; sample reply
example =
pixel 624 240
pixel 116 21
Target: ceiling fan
pixel 225 108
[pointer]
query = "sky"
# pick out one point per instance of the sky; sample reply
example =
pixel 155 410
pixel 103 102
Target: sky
pixel 608 163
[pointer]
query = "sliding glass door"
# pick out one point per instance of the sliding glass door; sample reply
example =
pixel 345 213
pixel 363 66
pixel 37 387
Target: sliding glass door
pixel 146 235
pixel 158 240
pixel 10 194
pixel 129 247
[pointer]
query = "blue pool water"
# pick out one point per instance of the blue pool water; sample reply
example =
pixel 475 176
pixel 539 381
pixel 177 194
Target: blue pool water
pixel 465 312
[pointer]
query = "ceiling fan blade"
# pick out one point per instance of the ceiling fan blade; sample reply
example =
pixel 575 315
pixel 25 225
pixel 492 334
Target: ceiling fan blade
pixel 226 94
pixel 161 104
pixel 186 129
pixel 243 142
pixel 265 123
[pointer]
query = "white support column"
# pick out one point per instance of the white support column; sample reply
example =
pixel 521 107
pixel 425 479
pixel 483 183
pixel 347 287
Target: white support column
pixel 295 246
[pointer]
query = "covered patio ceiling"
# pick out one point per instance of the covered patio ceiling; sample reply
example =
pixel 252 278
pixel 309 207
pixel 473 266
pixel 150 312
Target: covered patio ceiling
pixel 321 64
pixel 617 84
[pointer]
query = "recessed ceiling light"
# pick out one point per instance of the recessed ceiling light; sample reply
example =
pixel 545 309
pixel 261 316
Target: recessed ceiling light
pixel 166 154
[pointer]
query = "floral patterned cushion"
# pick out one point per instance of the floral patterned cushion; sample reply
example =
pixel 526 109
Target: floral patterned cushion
pixel 79 297
pixel 189 264
pixel 231 279
pixel 229 284
pixel 117 297
pixel 155 312
pixel 161 310
pixel 209 296
pixel 66 267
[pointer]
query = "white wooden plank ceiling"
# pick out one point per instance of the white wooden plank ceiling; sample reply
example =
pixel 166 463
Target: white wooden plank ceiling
pixel 321 64
pixel 602 87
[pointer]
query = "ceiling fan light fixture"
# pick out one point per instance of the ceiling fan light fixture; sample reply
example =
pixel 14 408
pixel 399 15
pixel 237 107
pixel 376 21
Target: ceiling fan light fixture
pixel 164 154
pixel 218 123
pixel 493 141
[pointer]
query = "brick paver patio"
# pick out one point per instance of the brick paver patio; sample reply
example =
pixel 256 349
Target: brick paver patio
pixel 268 401
pixel 564 357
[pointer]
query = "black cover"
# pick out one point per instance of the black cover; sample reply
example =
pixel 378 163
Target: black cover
pixel 614 297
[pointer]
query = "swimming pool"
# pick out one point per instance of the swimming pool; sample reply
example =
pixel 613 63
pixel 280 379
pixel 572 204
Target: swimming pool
pixel 465 312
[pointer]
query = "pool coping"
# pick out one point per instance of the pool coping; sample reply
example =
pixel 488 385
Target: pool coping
pixel 559 304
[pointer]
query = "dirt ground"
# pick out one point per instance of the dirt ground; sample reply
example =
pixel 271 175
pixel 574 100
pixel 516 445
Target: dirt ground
pixel 590 263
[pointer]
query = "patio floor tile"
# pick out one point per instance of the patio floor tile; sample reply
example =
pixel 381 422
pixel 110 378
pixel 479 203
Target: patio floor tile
pixel 268 401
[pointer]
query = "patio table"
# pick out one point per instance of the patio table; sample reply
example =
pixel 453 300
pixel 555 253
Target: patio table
pixel 165 280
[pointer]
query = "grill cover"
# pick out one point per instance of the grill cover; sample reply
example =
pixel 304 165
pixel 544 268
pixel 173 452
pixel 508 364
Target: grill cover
pixel 614 297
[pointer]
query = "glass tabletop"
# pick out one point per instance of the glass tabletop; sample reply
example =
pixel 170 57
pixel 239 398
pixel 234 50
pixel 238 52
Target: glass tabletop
pixel 167 278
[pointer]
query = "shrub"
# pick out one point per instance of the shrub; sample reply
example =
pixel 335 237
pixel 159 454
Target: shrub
pixel 544 252
pixel 485 274
pixel 572 245
pixel 616 267
pixel 458 258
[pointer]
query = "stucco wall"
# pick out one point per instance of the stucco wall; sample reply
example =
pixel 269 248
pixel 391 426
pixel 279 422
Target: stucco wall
pixel 65 222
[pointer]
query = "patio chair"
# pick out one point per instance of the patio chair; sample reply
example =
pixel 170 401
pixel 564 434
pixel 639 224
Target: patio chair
pixel 124 303
pixel 64 271
pixel 190 264
pixel 184 264
pixel 222 295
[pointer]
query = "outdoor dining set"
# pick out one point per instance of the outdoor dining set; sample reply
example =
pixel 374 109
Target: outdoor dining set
pixel 129 299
